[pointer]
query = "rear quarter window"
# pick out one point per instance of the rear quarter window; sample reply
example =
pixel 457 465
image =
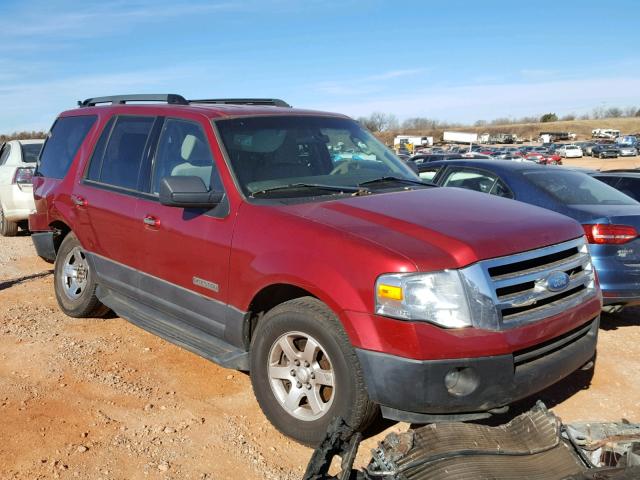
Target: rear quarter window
pixel 65 138
pixel 30 152
pixel 576 188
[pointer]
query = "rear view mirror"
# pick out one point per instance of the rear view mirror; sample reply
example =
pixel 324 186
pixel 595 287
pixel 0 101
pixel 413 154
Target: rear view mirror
pixel 187 192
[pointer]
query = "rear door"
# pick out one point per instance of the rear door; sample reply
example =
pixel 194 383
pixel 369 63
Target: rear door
pixel 186 251
pixel 108 197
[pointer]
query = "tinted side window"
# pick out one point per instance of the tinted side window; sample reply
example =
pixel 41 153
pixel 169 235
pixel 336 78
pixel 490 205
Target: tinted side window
pixel 183 150
pixel 4 155
pixel 428 174
pixel 123 155
pixel 630 186
pixel 96 159
pixel 65 138
pixel 30 152
pixel 609 180
pixel 479 181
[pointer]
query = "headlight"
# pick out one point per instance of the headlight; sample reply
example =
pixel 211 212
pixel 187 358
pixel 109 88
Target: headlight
pixel 437 297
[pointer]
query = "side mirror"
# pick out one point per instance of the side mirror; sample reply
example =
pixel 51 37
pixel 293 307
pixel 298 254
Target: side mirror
pixel 187 192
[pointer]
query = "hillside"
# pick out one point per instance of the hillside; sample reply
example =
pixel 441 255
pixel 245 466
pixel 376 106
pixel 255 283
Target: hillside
pixel 582 128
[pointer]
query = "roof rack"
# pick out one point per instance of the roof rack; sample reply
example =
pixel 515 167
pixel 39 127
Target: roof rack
pixel 174 99
pixel 170 98
pixel 276 102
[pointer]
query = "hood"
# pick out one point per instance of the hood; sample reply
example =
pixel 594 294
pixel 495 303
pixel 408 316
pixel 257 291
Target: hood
pixel 443 227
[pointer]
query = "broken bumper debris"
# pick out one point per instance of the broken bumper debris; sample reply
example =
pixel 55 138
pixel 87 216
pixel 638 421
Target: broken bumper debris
pixel 534 445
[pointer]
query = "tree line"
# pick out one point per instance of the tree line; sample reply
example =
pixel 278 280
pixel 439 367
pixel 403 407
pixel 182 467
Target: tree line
pixel 22 135
pixel 384 122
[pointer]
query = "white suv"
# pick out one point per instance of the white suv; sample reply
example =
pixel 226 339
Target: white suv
pixel 17 163
pixel 570 151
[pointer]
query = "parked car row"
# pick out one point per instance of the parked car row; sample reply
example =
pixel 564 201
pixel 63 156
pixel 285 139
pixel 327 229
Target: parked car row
pixel 608 149
pixel 540 155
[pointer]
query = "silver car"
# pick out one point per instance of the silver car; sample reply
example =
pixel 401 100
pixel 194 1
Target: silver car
pixel 627 151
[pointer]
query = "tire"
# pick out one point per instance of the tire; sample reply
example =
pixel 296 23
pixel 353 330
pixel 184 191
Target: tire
pixel 339 391
pixel 74 281
pixel 7 227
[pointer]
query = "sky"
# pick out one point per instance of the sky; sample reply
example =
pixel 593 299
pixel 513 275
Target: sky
pixel 455 60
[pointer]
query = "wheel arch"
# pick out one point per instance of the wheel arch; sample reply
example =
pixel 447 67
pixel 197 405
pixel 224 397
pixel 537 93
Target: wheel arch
pixel 60 231
pixel 265 299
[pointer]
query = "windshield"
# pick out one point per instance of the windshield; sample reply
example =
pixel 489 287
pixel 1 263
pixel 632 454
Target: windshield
pixel 30 152
pixel 271 152
pixel 576 188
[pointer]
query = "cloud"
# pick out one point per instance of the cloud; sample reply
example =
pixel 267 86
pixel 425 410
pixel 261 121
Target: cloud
pixel 365 85
pixel 92 20
pixel 477 101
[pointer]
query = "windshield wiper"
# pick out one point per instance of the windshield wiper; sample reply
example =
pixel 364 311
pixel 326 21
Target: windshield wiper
pixel 310 186
pixel 391 179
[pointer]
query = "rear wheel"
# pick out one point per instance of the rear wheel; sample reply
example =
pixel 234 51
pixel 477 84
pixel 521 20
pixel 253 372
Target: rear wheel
pixel 305 372
pixel 7 227
pixel 74 281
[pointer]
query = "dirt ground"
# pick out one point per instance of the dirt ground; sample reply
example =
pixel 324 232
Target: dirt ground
pixel 102 399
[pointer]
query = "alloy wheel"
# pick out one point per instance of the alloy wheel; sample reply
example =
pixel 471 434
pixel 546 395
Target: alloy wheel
pixel 301 376
pixel 75 271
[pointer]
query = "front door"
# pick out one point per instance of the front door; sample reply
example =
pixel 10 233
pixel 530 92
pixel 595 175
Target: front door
pixel 186 251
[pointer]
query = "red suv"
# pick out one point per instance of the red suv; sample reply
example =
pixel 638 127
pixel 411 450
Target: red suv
pixel 294 245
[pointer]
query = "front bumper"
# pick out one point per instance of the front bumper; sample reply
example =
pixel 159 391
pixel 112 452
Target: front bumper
pixel 17 202
pixel 415 390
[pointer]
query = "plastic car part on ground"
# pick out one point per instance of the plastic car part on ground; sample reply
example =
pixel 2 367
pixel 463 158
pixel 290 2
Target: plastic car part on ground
pixel 534 445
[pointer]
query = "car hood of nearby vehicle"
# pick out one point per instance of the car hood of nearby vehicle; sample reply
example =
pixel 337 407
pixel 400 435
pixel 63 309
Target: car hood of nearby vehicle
pixel 443 227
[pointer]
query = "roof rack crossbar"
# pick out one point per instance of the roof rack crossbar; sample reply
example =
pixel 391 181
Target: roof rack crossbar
pixel 170 98
pixel 276 102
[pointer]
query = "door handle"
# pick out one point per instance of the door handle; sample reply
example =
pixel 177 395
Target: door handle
pixel 151 221
pixel 78 201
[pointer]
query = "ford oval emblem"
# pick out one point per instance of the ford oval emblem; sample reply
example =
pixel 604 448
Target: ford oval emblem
pixel 557 281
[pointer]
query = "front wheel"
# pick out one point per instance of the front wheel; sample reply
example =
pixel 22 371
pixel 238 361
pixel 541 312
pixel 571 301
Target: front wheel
pixel 74 281
pixel 305 372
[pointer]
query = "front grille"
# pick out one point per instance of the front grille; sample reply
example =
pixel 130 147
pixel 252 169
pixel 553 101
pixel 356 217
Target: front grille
pixel 519 283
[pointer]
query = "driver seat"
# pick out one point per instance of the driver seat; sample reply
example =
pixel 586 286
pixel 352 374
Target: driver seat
pixel 284 163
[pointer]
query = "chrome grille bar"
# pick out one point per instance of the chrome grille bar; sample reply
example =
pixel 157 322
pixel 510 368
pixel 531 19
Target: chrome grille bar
pixel 518 285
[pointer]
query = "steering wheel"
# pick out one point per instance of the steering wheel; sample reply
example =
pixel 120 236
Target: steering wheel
pixel 345 167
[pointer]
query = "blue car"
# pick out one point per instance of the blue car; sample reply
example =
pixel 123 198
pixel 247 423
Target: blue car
pixel 611 219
